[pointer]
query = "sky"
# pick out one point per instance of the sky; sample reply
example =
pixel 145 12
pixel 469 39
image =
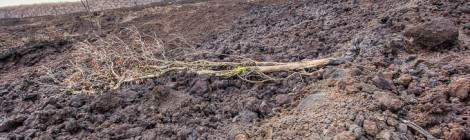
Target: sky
pixel 21 2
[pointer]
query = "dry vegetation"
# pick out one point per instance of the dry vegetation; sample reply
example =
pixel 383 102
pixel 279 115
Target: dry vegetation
pixel 68 7
pixel 109 62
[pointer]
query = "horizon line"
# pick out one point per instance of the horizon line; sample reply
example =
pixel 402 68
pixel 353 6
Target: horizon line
pixel 35 2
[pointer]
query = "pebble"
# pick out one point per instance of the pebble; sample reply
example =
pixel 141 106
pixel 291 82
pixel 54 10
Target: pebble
pixel 415 90
pixel 405 79
pixel 382 83
pixel 384 135
pixel 345 135
pixel 392 121
pixel 460 88
pixel 334 73
pixel 352 89
pixel 240 137
pixel 396 136
pixel 356 130
pixel 402 128
pixel 467 26
pixel 436 131
pixel 71 125
pixel 247 116
pixel 389 101
pixel 105 103
pixel 3 92
pixel 455 134
pixel 315 136
pixel 283 99
pixel 199 87
pixel 12 123
pixel 370 127
pixel 359 120
pixel 368 88
pixel 388 75
pixel 30 97
pixel 77 101
pixel 465 8
pixel 310 100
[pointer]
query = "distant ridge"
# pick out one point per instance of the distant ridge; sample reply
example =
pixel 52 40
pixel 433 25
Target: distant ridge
pixel 33 10
pixel 12 3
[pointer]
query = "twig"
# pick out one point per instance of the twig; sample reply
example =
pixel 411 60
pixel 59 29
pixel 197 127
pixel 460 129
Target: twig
pixel 419 129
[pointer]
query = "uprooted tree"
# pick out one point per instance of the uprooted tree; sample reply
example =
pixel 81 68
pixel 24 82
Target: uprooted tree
pixel 110 62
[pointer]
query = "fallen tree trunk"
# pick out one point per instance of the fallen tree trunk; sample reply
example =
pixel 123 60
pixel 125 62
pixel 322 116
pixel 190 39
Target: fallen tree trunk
pixel 240 68
pixel 268 69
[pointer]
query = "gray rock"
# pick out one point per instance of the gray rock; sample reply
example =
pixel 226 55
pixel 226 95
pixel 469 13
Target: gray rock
pixel 389 101
pixel 392 121
pixel 77 101
pixel 30 133
pixel 384 135
pixel 311 99
pixel 456 133
pixel 359 120
pixel 71 126
pixel 30 97
pixel 199 87
pixel 105 103
pixel 345 135
pixel 135 131
pixel 368 88
pixel 356 130
pixel 370 127
pixel 337 61
pixel 465 8
pixel 12 123
pixel 247 116
pixel 149 135
pixel 240 137
pixel 402 128
pixel 382 83
pixel 3 92
pixel 467 26
pixel 460 88
pixel 436 131
pixel 334 73
pixel 283 99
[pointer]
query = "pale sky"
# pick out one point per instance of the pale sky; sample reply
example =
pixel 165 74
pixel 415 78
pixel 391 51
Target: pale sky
pixel 21 2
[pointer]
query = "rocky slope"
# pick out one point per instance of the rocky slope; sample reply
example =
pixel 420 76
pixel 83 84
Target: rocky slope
pixel 405 73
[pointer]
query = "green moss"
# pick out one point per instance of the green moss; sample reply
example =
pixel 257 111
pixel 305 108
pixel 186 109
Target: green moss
pixel 240 70
pixel 236 71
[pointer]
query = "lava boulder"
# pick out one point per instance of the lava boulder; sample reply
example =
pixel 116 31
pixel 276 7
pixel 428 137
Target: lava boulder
pixel 437 34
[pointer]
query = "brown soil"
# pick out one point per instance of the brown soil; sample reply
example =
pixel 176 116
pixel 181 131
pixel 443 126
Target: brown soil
pixel 381 86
